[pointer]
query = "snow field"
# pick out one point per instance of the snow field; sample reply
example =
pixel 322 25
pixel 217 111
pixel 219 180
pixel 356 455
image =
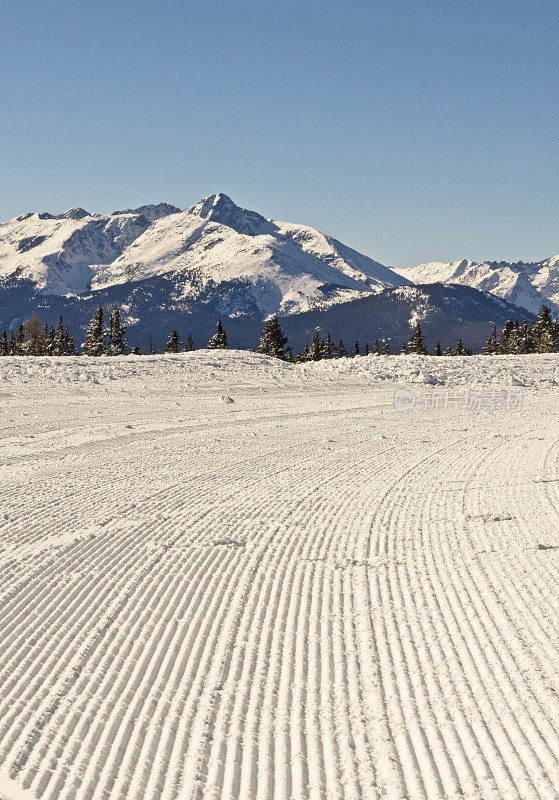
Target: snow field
pixel 298 594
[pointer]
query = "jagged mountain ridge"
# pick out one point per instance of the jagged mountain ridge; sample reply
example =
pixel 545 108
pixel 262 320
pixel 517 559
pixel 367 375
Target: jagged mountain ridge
pixel 527 285
pixel 151 212
pixel 60 254
pixel 279 267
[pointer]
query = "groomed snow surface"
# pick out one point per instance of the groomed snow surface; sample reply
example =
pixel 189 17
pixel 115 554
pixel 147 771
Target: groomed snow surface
pixel 224 577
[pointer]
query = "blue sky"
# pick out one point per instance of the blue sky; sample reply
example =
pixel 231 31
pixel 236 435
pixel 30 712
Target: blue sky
pixel 413 131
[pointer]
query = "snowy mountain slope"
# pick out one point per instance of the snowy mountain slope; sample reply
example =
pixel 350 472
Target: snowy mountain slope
pixel 220 208
pixel 61 254
pixel 527 285
pixel 353 264
pixel 446 313
pixel 279 267
pixel 198 252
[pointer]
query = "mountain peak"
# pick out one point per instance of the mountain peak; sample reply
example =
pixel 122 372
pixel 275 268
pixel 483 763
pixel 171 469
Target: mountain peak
pixel 151 212
pixel 75 213
pixel 72 213
pixel 213 204
pixel 220 208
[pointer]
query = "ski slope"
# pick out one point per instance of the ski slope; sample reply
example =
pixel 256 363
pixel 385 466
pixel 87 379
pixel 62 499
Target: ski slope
pixel 224 577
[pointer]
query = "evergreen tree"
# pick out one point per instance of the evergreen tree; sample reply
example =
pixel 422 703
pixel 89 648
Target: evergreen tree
pixel 448 351
pixel 173 343
pixel 438 350
pixel 69 343
pixel 50 339
pixel 57 344
pixel 316 347
pixel 118 346
pixel 219 339
pixel 273 342
pixel 12 345
pixel 189 343
pixel 404 350
pixel 94 344
pixel 304 356
pixel 327 347
pixel 490 348
pixel 525 339
pixel 366 350
pixel 376 347
pixel 355 351
pixel 460 350
pixel 20 340
pixel 513 340
pixel 545 332
pixel 416 343
pixel 547 342
pixel 151 350
pixel 4 349
pixel 385 350
pixel 543 321
pixel 341 352
pixel 506 338
pixel 135 351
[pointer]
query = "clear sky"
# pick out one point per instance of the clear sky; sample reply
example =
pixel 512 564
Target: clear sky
pixel 413 130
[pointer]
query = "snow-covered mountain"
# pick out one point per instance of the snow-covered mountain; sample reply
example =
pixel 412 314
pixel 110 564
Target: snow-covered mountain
pixel 276 266
pixel 208 249
pixel 168 268
pixel 527 285
pixel 220 208
pixel 61 254
pixel 200 256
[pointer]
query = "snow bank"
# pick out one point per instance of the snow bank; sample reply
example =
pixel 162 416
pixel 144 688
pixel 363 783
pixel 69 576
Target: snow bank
pixel 205 366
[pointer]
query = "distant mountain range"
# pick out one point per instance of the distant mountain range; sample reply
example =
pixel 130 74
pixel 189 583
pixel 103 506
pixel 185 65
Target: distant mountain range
pixel 169 268
pixel 527 285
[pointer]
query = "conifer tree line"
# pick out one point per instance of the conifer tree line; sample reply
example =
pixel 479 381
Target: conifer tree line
pixel 542 336
pixel 32 338
pixel 319 349
pixel 36 339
